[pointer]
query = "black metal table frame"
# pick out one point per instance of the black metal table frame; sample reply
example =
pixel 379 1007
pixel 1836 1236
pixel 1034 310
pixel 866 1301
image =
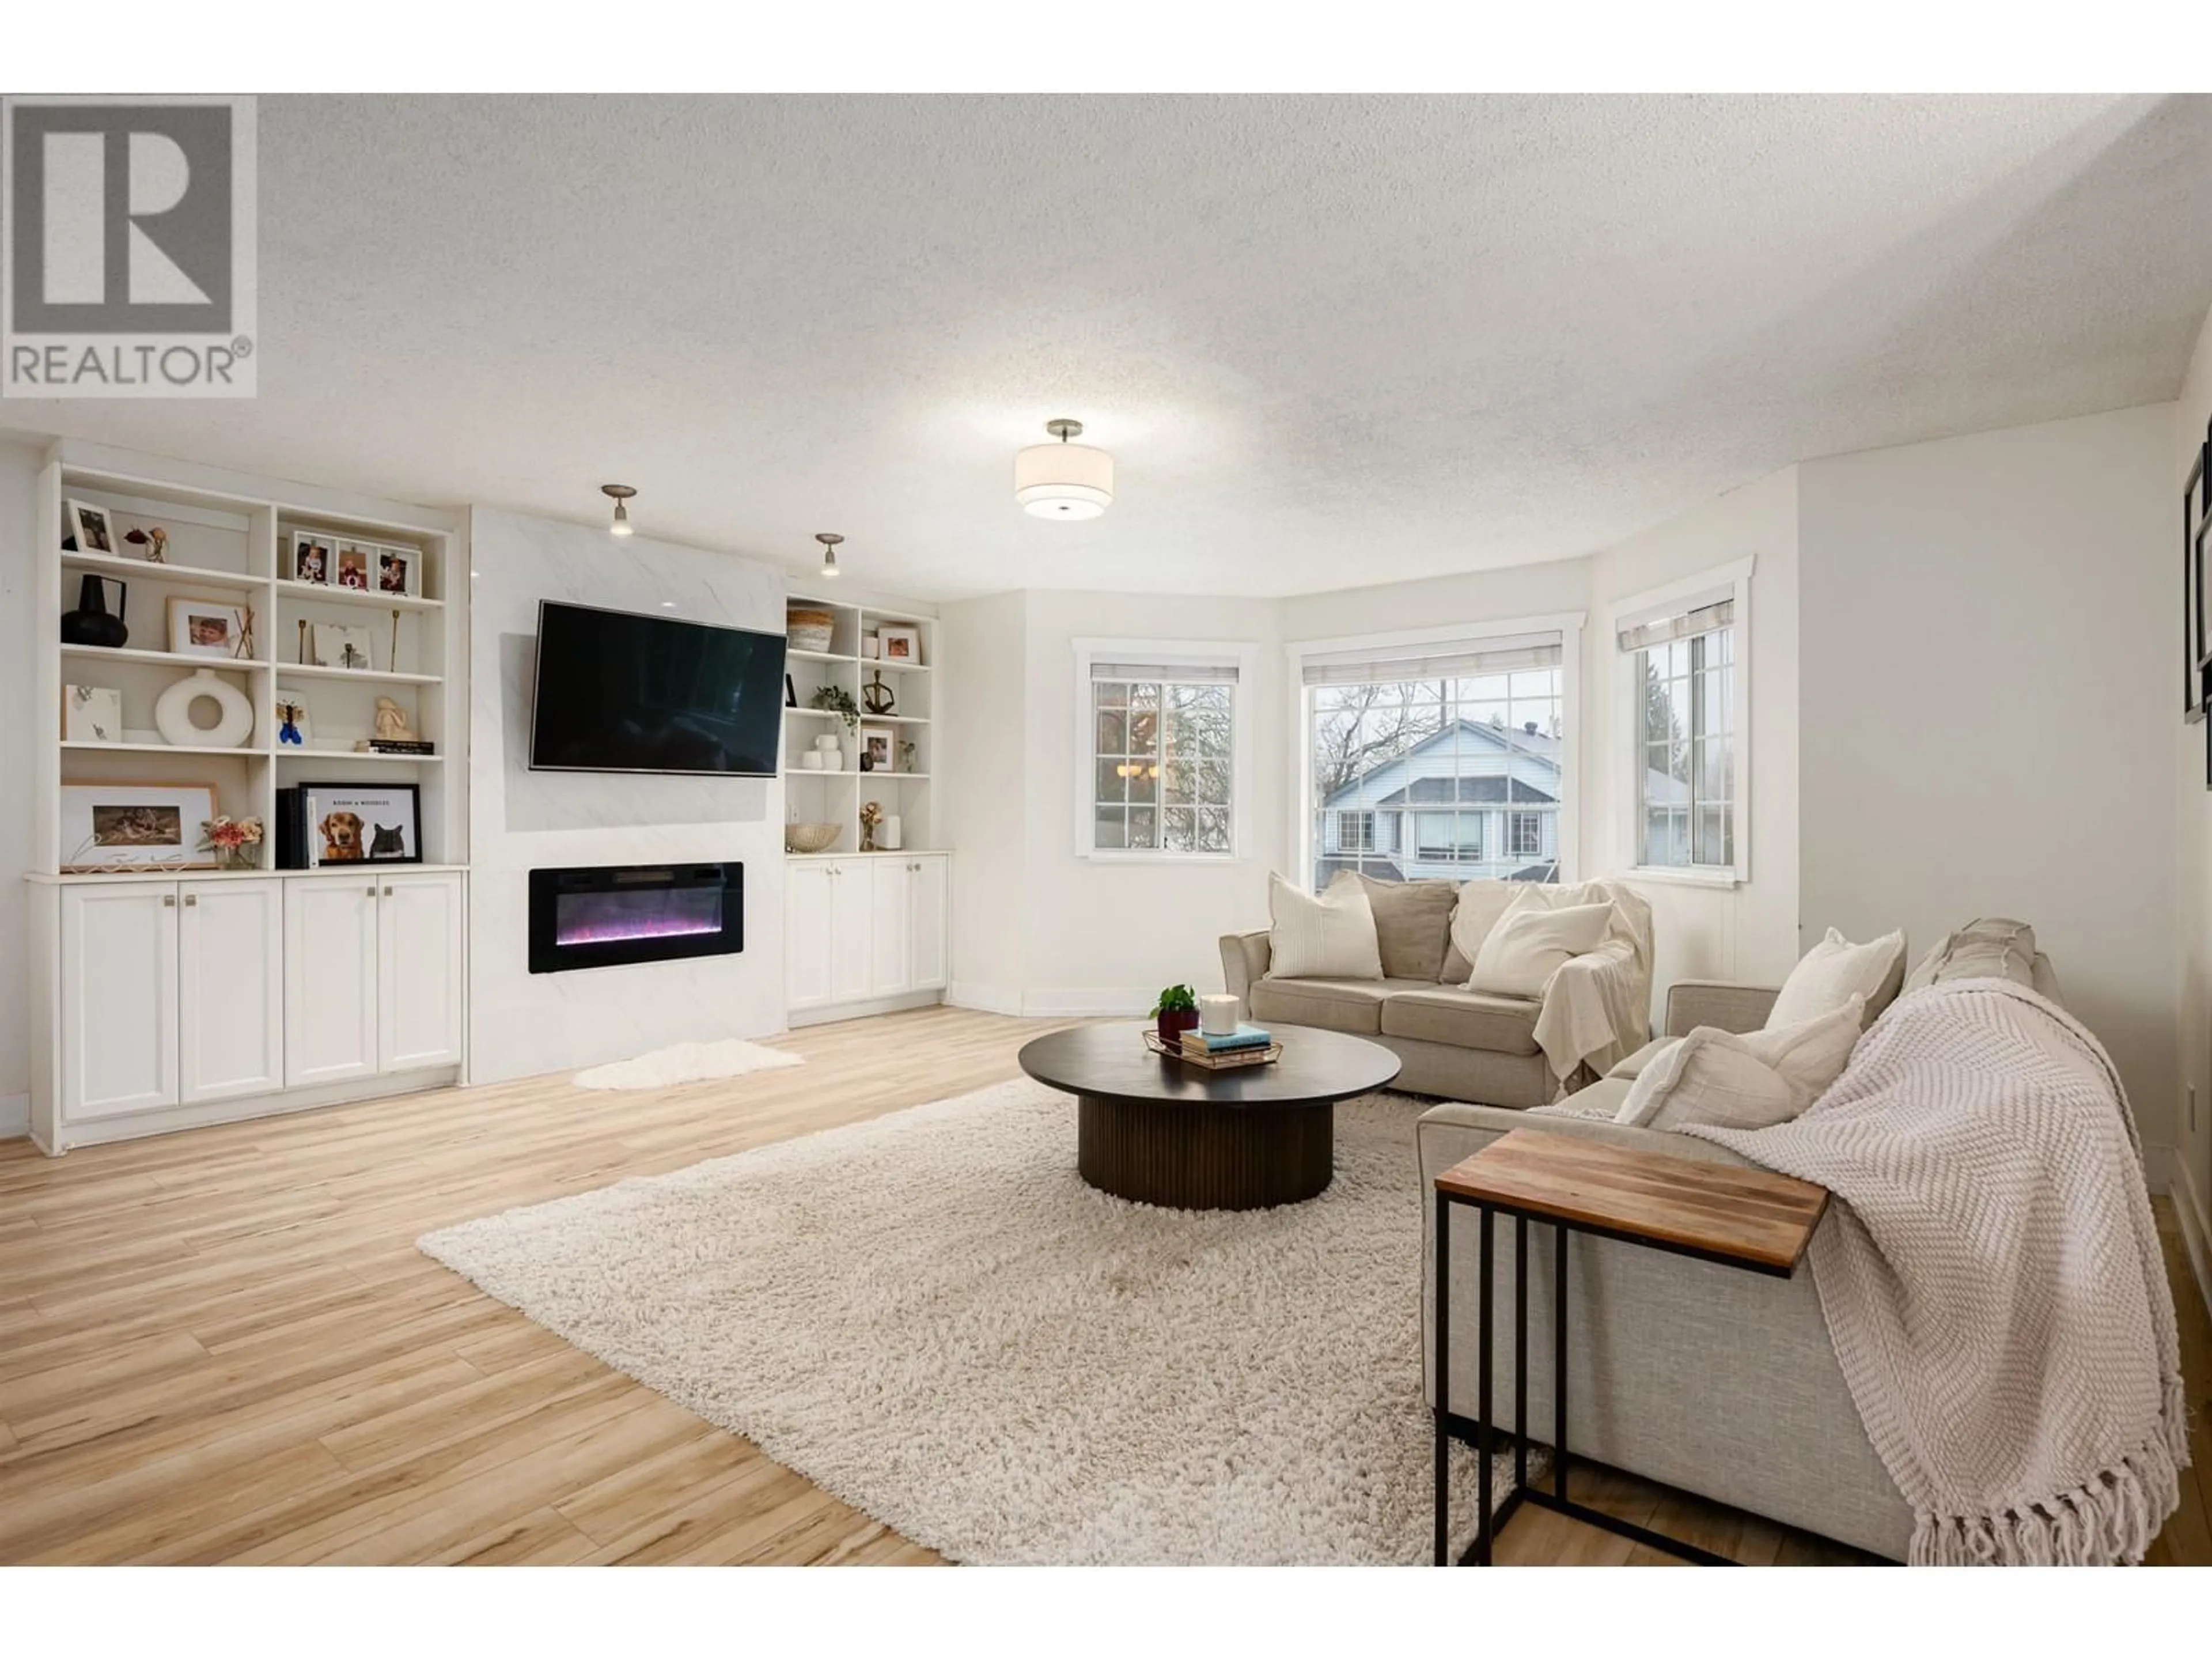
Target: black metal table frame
pixel 1450 1427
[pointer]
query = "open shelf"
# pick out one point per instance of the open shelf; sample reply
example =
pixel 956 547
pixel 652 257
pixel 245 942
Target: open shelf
pixel 109 564
pixel 813 796
pixel 164 659
pixel 315 592
pixel 236 751
pixel 290 753
pixel 316 670
pixel 819 656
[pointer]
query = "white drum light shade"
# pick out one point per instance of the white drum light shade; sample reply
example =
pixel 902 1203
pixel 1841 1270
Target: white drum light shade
pixel 1064 480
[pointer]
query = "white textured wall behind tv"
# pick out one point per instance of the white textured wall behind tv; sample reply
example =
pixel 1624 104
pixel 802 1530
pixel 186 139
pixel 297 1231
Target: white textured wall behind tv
pixel 521 1023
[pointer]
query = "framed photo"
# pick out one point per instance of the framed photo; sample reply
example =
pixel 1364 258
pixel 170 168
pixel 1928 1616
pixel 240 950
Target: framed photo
pixel 361 824
pixel 354 562
pixel 314 558
pixel 341 647
pixel 92 713
pixel 900 644
pixel 207 628
pixel 399 570
pixel 92 528
pixel 790 693
pixel 293 729
pixel 878 744
pixel 135 826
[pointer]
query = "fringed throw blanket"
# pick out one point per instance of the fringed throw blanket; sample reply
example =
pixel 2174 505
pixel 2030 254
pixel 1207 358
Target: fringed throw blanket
pixel 1992 1279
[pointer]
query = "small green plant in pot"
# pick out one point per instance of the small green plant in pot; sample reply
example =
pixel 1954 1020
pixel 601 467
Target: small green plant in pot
pixel 836 700
pixel 1176 1011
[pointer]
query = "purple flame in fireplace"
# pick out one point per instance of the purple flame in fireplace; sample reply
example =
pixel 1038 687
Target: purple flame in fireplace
pixel 608 918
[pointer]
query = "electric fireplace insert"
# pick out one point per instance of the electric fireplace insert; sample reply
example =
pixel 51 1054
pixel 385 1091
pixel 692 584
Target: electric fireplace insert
pixel 612 914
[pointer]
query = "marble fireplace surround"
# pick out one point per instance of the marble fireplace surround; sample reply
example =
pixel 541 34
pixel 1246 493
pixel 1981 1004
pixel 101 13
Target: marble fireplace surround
pixel 522 1024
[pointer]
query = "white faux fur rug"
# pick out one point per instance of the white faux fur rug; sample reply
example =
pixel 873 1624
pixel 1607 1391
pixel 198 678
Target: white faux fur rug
pixel 932 1316
pixel 685 1062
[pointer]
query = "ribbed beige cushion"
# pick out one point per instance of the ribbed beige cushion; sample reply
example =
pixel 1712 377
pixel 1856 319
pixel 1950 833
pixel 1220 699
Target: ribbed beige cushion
pixel 1466 1019
pixel 1532 940
pixel 1331 936
pixel 1333 1004
pixel 1475 910
pixel 1710 1077
pixel 1413 925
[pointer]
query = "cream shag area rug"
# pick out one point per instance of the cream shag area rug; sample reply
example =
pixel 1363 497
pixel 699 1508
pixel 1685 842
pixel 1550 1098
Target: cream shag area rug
pixel 685 1062
pixel 933 1317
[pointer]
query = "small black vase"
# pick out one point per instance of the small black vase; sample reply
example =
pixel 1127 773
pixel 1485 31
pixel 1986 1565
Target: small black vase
pixel 92 622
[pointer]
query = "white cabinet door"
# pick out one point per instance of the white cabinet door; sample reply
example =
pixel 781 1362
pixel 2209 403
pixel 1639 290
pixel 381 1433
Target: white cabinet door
pixel 930 923
pixel 806 934
pixel 330 979
pixel 851 907
pixel 118 999
pixel 230 971
pixel 418 976
pixel 890 887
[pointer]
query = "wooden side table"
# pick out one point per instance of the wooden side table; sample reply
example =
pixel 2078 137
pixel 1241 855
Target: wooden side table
pixel 1747 1219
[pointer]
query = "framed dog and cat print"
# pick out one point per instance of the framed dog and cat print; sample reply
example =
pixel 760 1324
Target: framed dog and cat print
pixel 326 825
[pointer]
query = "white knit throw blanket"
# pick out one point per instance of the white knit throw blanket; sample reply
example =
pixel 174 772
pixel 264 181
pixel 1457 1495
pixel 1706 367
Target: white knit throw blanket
pixel 1991 1279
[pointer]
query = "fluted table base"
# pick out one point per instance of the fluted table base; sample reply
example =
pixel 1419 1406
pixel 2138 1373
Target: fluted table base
pixel 1188 1155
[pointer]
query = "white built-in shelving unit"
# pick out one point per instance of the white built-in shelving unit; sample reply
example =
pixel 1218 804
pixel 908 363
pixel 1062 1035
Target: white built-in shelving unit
pixel 904 790
pixel 174 995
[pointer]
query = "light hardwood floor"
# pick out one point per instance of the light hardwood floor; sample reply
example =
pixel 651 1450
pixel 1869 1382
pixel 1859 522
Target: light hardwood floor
pixel 222 1346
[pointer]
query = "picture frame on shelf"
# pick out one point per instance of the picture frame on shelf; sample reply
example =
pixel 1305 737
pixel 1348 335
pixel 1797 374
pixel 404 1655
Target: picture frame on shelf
pixel 878 748
pixel 92 528
pixel 339 645
pixel 360 823
pixel 352 563
pixel 294 729
pixel 399 570
pixel 900 645
pixel 314 558
pixel 209 628
pixel 124 826
pixel 92 713
pixel 790 693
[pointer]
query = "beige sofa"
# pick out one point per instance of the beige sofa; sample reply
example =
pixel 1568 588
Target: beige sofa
pixel 1719 1382
pixel 1452 1042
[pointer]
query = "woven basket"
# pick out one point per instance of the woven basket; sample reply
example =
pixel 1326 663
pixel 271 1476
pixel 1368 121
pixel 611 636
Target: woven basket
pixel 810 837
pixel 808 630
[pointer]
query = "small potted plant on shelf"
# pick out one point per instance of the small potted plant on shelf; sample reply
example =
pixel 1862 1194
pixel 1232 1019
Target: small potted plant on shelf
pixel 1176 1011
pixel 839 701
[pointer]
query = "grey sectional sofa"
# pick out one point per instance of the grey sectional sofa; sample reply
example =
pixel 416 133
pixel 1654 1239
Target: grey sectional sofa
pixel 1718 1382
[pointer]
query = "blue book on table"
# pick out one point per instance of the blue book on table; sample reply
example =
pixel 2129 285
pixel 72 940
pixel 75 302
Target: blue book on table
pixel 1244 1037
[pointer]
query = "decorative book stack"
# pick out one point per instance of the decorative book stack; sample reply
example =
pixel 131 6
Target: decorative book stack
pixel 1248 1045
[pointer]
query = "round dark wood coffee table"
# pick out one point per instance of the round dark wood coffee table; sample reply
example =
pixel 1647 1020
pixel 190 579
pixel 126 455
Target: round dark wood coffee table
pixel 1152 1128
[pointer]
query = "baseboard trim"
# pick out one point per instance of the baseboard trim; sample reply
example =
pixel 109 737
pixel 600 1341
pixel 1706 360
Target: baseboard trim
pixel 985 999
pixel 1086 1002
pixel 15 1116
pixel 2159 1166
pixel 831 1013
pixel 2195 1230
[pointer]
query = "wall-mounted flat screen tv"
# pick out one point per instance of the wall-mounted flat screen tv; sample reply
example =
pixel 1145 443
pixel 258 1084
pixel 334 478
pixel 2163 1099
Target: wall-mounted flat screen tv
pixel 617 692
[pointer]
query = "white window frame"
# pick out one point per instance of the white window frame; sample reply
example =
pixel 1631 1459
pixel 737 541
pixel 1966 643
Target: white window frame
pixel 1730 582
pixel 1242 655
pixel 1567 624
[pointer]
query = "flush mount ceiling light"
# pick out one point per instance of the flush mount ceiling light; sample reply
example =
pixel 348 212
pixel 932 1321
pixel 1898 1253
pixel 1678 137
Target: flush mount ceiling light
pixel 1064 480
pixel 829 552
pixel 621 493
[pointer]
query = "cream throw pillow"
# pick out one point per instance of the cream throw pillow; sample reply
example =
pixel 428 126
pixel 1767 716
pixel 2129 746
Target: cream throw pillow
pixel 1832 973
pixel 1531 940
pixel 1332 937
pixel 1710 1076
pixel 1811 1055
pixel 1474 913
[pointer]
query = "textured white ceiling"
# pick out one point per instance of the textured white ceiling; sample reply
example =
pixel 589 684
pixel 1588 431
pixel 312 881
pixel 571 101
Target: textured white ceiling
pixel 1329 341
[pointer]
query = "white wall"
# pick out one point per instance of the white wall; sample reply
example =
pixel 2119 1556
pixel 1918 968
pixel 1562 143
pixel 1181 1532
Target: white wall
pixel 1988 701
pixel 523 1023
pixel 1748 932
pixel 2193 1174
pixel 982 688
pixel 18 474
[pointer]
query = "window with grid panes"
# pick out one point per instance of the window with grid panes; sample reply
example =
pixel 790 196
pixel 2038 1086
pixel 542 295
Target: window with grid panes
pixel 1685 778
pixel 1163 763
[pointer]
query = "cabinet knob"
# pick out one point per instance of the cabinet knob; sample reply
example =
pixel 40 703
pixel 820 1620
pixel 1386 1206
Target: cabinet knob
pixel 388 892
pixel 169 901
pixel 190 899
pixel 372 892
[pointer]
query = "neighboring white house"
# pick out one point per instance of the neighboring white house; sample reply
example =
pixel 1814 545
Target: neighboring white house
pixel 1472 801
